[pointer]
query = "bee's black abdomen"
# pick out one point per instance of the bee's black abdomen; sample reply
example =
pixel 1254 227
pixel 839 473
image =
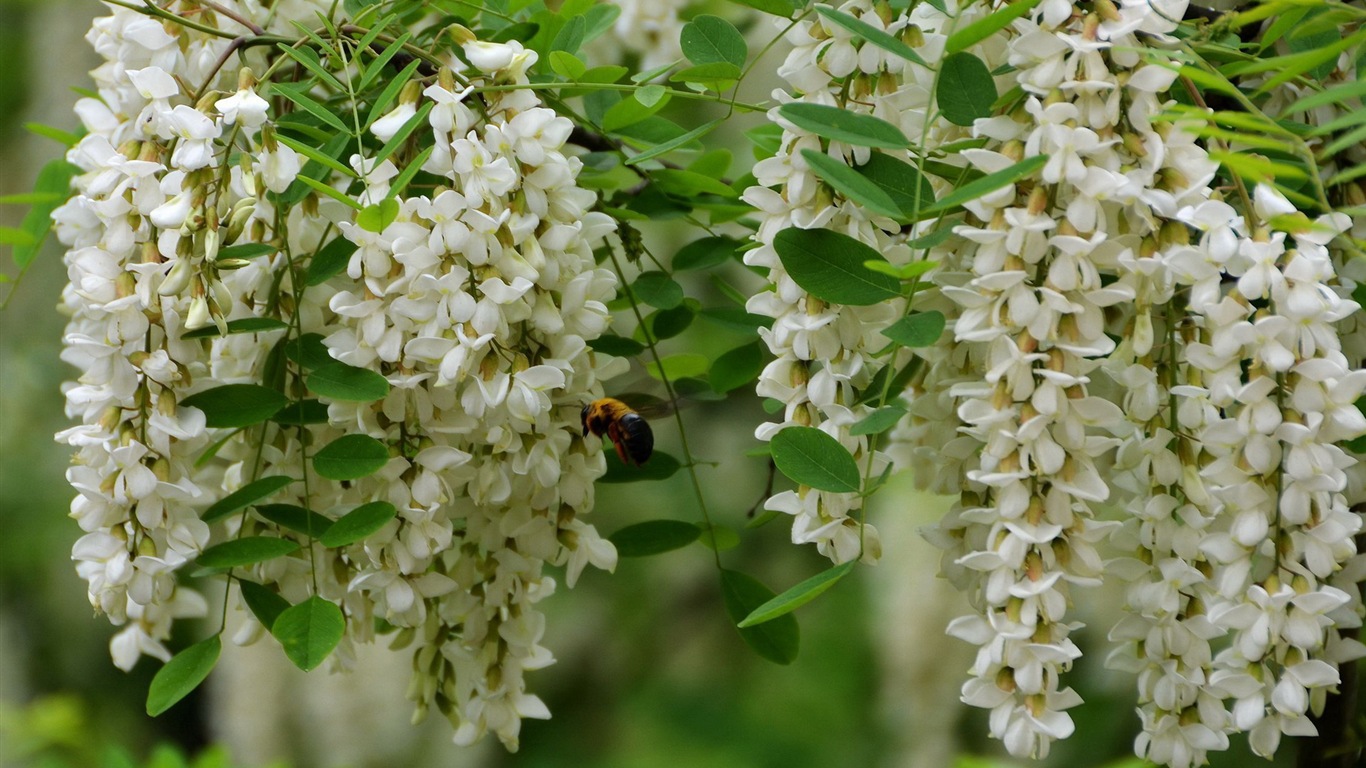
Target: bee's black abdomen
pixel 636 435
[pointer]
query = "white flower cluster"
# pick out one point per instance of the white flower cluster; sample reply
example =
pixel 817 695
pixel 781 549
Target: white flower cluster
pixel 476 303
pixel 480 300
pixel 142 231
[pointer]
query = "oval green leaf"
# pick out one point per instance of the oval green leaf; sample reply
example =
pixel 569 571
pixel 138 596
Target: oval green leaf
pixel 616 346
pixel 851 183
pixel 301 413
pixel 661 466
pixel 705 253
pixel 330 260
pixel 918 329
pixel 248 494
pixel 359 523
pixel 966 89
pixel 841 125
pixel 829 266
pixel 309 631
pixel 908 189
pixel 736 368
pixel 711 39
pixel 182 674
pixel 719 537
pixel 240 325
pixel 668 323
pixel 797 596
pixel 308 351
pixel 245 551
pixel 657 289
pixel 810 457
pixel 295 518
pixel 340 381
pixel 654 537
pixel 776 640
pixel 350 457
pixel 264 603
pixel 376 216
pixel 678 366
pixel 236 405
pixel 878 421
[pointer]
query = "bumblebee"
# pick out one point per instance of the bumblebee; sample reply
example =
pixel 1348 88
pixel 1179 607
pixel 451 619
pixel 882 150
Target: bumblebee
pixel 629 431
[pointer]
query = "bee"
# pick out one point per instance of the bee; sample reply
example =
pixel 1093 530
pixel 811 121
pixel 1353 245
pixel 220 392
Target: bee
pixel 629 431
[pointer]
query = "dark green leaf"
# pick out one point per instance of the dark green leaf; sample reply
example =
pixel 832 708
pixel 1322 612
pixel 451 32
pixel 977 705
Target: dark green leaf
pixel 705 253
pixel 315 170
pixel 829 265
pixel 851 183
pixel 340 381
pixel 689 184
pixel 236 405
pixel 240 325
pixel 359 523
pixel 660 467
pixel 736 368
pixel 797 596
pixel 654 537
pixel 308 351
pixel 878 421
pixel 673 144
pixel 918 329
pixel 736 319
pixel 616 346
pixel 264 603
pixel 668 323
pixel 182 674
pixel 810 457
pixel 309 631
pixel 331 259
pixel 248 494
pixel 841 125
pixel 245 551
pixel 872 34
pixel 710 39
pixel 571 35
pixel 394 86
pixel 775 640
pixel 295 518
pixel 965 90
pixel 989 183
pixel 350 457
pixel 308 59
pixel 908 189
pixel 631 111
pixel 305 102
pixel 657 289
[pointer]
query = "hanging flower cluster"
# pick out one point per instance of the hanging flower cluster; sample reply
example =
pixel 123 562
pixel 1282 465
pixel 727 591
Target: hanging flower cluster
pixel 1125 344
pixel 444 326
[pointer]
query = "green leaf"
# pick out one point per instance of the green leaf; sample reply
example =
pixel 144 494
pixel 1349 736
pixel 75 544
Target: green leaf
pixel 654 537
pixel 797 596
pixel 908 189
pixel 350 457
pixel 985 185
pixel 719 537
pixel 616 346
pixel 668 323
pixel 736 368
pixel 674 143
pixel 331 259
pixel 631 111
pixel 657 289
pixel 240 325
pixel 661 466
pixel 810 457
pixel 327 190
pixel 985 27
pixel 851 183
pixel 376 216
pixel 872 34
pixel 245 551
pixel 716 76
pixel 308 59
pixel 376 68
pixel 678 366
pixel 359 523
pixel 918 329
pixel 401 135
pixel 829 266
pixel 264 603
pixel 302 412
pixel 392 90
pixel 878 421
pixel 776 640
pixel 571 35
pixel 236 405
pixel 54 179
pixel 567 65
pixel 711 39
pixel 705 253
pixel 247 495
pixel 409 171
pixel 182 674
pixel 308 351
pixel 689 184
pixel 246 251
pixel 340 381
pixel 305 102
pixel 736 319
pixel 841 125
pixel 309 631
pixel 295 518
pixel 965 90
pixel 64 138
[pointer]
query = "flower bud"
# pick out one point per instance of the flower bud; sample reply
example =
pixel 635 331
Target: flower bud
pixel 178 279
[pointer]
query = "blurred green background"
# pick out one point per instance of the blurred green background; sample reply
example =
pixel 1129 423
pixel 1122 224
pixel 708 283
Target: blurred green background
pixel 650 672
